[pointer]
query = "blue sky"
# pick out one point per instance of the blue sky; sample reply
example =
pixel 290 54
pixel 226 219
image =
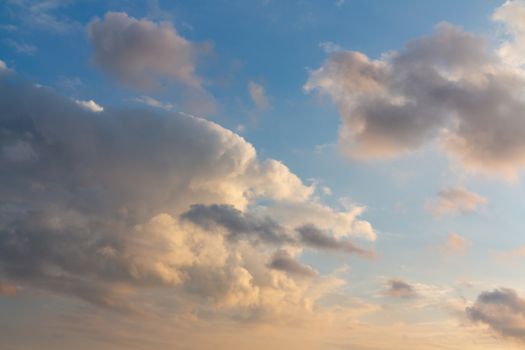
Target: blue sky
pixel 377 127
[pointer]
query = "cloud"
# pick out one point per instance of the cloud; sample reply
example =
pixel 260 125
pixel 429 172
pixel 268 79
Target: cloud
pixel 511 15
pixel 26 49
pixel 7 289
pixel 456 244
pixel 92 210
pixel 315 238
pixel 447 87
pixel 283 261
pixel 236 223
pixel 90 105
pixel 456 200
pixel 241 225
pixel 515 253
pixel 139 53
pixel 3 66
pixel 400 289
pixel 258 95
pixel 330 47
pixel 152 102
pixel 345 223
pixel 502 310
pixel 42 15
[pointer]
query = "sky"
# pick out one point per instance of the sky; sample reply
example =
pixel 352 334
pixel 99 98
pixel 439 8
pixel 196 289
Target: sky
pixel 335 174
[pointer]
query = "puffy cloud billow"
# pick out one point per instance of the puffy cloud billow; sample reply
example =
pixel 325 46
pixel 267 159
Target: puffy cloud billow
pixel 139 52
pixel 104 205
pixel 450 86
pixel 502 310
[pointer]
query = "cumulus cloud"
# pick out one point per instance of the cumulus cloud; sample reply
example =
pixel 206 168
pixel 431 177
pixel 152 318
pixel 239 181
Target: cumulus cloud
pixel 90 105
pixel 140 52
pixel 448 86
pixel 400 289
pixel 258 95
pixel 502 310
pixel 343 223
pixel 454 200
pixel 93 209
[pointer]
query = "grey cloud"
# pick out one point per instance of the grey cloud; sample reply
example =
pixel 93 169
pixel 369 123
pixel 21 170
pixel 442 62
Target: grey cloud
pixel 239 225
pixel 318 239
pixel 400 289
pixel 447 86
pixel 140 52
pixel 283 261
pixel 503 310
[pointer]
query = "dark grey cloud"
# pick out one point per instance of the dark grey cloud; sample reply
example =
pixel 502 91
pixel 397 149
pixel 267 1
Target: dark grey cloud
pixel 237 223
pixel 502 310
pixel 283 261
pixel 313 237
pixel 447 86
pixel 400 289
pixel 241 225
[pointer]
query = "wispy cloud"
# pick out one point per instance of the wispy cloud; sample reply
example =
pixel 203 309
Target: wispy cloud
pixel 456 200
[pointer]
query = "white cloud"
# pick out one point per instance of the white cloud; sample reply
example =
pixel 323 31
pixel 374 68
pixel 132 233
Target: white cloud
pixel 90 105
pixel 512 16
pixel 150 101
